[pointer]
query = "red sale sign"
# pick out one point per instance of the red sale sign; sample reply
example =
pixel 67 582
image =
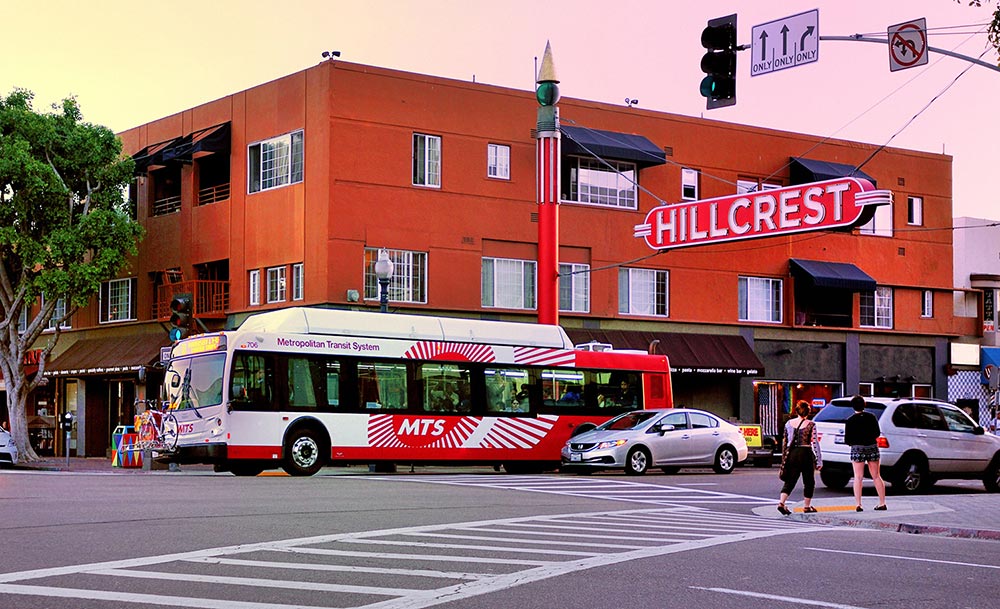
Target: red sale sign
pixel 839 203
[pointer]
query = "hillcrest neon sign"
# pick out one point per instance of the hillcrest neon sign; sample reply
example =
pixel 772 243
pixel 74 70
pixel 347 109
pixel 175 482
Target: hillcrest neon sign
pixel 840 203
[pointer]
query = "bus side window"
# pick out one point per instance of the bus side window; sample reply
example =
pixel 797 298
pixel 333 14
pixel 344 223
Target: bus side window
pixel 252 381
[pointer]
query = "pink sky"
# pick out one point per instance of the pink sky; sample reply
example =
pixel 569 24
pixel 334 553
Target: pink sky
pixel 132 62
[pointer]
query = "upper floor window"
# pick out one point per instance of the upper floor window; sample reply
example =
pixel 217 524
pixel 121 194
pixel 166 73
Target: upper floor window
pixel 498 161
pixel 276 284
pixel 254 282
pixel 881 223
pixel 643 292
pixel 118 300
pixel 409 276
pixel 275 162
pixel 574 287
pixel 760 299
pixel 915 211
pixel 508 283
pixel 689 184
pixel 22 320
pixel 876 308
pixel 426 160
pixel 927 303
pixel 611 183
pixel 748 185
pixel 298 293
pixel 58 313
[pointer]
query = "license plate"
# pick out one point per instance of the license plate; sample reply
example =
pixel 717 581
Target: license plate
pixel 575 457
pixel 838 439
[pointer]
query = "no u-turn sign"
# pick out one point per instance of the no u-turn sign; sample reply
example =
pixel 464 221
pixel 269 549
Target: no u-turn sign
pixel 907 44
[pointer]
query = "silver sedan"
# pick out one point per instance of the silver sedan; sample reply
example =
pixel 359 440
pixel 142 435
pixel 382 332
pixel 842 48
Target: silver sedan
pixel 668 438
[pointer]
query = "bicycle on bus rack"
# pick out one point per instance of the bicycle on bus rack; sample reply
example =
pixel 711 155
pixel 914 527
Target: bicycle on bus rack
pixel 157 430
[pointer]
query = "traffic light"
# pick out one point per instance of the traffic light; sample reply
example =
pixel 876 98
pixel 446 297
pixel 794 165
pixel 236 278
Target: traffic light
pixel 719 62
pixel 180 316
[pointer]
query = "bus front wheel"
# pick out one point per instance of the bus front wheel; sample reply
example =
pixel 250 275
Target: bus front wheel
pixel 303 453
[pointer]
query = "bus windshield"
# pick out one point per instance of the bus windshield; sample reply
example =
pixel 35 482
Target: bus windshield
pixel 195 382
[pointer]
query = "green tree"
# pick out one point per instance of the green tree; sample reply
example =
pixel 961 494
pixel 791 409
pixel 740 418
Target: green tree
pixel 993 31
pixel 64 228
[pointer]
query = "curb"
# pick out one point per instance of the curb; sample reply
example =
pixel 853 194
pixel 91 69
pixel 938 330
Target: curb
pixel 903 527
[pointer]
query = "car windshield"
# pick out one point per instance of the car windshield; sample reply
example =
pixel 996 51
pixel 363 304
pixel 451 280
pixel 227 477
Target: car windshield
pixel 838 411
pixel 629 420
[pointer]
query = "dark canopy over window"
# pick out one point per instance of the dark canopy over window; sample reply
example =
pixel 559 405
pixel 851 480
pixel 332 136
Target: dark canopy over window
pixel 839 275
pixel 583 141
pixel 804 171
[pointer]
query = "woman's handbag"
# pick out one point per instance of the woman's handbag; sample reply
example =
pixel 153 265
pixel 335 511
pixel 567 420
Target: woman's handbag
pixel 781 468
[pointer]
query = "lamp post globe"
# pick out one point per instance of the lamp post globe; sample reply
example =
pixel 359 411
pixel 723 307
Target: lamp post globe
pixel 383 271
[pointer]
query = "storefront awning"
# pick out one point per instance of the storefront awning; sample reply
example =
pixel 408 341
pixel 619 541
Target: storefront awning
pixel 804 171
pixel 688 353
pixel 991 365
pixel 108 355
pixel 611 145
pixel 838 275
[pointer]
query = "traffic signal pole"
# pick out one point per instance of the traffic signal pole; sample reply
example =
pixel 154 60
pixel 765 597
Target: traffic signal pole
pixel 860 38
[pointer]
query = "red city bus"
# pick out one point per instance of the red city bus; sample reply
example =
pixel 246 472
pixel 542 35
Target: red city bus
pixel 302 388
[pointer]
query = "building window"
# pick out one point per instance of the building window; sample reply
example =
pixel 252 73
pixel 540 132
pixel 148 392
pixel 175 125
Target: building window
pixel 760 299
pixel 643 292
pixel 297 278
pixel 276 284
pixel 254 287
pixel 275 162
pixel 876 308
pixel 610 183
pixel 118 300
pixel 508 284
pixel 689 184
pixel 574 288
pixel 22 320
pixel 58 313
pixel 927 304
pixel 915 211
pixel 498 161
pixel 748 185
pixel 426 160
pixel 409 276
pixel 881 224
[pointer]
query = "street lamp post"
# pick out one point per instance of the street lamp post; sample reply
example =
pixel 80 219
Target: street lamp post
pixel 383 270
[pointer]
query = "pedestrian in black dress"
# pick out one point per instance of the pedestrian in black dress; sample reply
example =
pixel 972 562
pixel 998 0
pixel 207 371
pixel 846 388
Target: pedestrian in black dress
pixel 861 432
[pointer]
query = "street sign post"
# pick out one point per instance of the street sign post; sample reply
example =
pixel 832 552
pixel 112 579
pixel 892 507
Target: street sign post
pixel 907 44
pixel 785 43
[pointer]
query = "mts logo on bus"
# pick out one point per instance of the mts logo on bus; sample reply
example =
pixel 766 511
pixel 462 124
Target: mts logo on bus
pixel 421 427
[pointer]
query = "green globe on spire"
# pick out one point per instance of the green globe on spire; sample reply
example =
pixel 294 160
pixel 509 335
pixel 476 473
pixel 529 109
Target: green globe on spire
pixel 547 93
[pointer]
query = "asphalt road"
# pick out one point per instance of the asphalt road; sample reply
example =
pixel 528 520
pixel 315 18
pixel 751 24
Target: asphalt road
pixel 467 538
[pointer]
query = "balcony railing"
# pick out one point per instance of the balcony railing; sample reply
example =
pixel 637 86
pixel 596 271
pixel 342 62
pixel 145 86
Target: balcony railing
pixel 209 298
pixel 213 194
pixel 166 205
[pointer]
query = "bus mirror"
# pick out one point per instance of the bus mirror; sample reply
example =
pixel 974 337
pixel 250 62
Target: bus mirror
pixel 175 379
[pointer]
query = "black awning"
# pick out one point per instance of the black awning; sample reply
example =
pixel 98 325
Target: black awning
pixel 152 155
pixel 108 355
pixel 688 353
pixel 611 145
pixel 804 171
pixel 209 140
pixel 838 275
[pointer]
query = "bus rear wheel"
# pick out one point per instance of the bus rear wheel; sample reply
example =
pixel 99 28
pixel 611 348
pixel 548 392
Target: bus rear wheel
pixel 303 453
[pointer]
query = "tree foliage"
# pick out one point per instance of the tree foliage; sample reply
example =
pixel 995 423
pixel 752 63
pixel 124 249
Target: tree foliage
pixel 993 31
pixel 64 228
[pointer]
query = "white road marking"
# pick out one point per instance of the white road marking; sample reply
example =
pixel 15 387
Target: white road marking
pixel 658 531
pixel 793 600
pixel 912 558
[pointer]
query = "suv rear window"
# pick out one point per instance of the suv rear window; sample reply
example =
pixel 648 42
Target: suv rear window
pixel 838 411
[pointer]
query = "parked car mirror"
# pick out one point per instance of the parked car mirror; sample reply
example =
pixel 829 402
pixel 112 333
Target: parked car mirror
pixel 665 427
pixel 978 430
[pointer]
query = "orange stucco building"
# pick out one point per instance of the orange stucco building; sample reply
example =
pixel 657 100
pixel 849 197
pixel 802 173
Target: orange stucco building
pixel 281 195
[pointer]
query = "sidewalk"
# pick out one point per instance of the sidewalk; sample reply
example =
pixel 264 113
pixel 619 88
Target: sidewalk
pixel 973 516
pixel 969 516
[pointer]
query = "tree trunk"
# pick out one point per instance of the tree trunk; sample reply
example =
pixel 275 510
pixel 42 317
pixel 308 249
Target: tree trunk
pixel 17 399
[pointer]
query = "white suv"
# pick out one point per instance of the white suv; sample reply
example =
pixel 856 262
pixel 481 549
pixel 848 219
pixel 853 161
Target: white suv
pixel 923 440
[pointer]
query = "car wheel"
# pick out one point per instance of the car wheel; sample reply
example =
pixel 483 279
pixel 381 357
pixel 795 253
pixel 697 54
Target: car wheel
pixel 991 479
pixel 303 453
pixel 763 461
pixel 637 462
pixel 670 470
pixel 725 460
pixel 832 479
pixel 913 476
